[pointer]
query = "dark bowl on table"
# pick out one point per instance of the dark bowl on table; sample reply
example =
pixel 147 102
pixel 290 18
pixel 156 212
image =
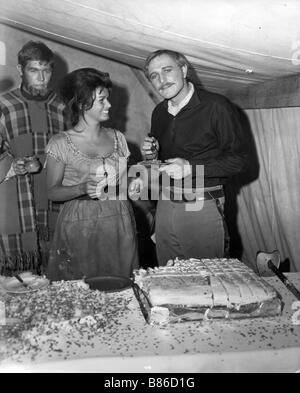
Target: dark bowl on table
pixel 109 283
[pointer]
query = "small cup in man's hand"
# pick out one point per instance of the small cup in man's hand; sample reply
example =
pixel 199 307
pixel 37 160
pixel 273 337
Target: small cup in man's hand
pixel 150 147
pixel 32 164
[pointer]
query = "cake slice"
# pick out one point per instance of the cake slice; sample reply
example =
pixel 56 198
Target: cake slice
pixel 186 289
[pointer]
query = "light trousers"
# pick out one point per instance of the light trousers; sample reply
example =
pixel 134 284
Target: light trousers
pixel 190 234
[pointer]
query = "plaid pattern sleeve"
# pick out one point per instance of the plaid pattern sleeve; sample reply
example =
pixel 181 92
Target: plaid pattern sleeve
pixel 10 242
pixel 15 115
pixel 4 145
pixel 26 204
pixel 56 116
pixel 57 123
pixel 14 122
pixel 6 157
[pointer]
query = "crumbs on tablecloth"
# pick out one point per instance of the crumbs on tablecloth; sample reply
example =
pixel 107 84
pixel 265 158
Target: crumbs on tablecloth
pixel 70 308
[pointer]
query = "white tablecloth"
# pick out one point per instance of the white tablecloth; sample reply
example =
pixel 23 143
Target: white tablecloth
pixel 249 345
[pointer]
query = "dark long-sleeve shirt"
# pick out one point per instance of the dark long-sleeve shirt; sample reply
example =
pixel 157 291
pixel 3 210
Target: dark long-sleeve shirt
pixel 207 131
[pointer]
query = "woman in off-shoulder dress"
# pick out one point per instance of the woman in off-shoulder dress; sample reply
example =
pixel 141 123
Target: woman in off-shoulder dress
pixel 95 233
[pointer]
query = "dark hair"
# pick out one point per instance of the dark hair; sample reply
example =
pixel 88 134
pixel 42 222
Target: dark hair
pixel 78 90
pixel 35 50
pixel 180 59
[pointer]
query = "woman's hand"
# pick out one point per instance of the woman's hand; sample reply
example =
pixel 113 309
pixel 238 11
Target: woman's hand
pixel 95 189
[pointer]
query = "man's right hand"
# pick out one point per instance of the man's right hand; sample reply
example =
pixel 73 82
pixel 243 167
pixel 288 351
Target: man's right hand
pixel 135 188
pixel 150 148
pixel 18 165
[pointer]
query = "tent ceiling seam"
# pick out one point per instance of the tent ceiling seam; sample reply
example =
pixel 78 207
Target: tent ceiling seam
pixel 68 38
pixel 174 34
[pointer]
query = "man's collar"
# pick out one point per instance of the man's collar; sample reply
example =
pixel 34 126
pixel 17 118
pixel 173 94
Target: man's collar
pixel 174 109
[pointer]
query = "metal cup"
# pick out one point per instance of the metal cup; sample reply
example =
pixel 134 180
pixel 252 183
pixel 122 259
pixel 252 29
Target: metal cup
pixel 32 164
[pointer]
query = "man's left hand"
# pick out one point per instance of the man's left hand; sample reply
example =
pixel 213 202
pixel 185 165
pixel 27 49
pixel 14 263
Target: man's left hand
pixel 177 168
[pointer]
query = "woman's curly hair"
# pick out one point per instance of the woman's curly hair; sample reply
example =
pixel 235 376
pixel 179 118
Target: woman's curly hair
pixel 77 90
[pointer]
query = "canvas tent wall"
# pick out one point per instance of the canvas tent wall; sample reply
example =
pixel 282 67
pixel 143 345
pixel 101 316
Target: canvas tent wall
pixel 248 51
pixel 132 110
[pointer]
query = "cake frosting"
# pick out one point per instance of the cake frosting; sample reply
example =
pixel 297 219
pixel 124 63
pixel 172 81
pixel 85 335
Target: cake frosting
pixel 208 287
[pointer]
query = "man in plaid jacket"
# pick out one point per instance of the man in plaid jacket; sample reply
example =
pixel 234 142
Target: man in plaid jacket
pixel 29 116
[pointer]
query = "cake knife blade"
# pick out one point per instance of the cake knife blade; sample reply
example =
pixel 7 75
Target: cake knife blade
pixel 22 281
pixel 290 286
pixel 137 291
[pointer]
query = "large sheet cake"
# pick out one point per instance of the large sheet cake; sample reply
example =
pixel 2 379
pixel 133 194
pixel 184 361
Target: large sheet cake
pixel 205 289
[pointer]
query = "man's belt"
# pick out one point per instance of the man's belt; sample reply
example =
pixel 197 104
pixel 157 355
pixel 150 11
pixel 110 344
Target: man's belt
pixel 200 195
pixel 86 198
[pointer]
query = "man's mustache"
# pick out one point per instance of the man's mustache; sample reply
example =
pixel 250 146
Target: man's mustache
pixel 166 85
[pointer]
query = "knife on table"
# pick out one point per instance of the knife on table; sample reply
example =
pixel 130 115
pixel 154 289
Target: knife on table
pixel 22 281
pixel 290 286
pixel 137 291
